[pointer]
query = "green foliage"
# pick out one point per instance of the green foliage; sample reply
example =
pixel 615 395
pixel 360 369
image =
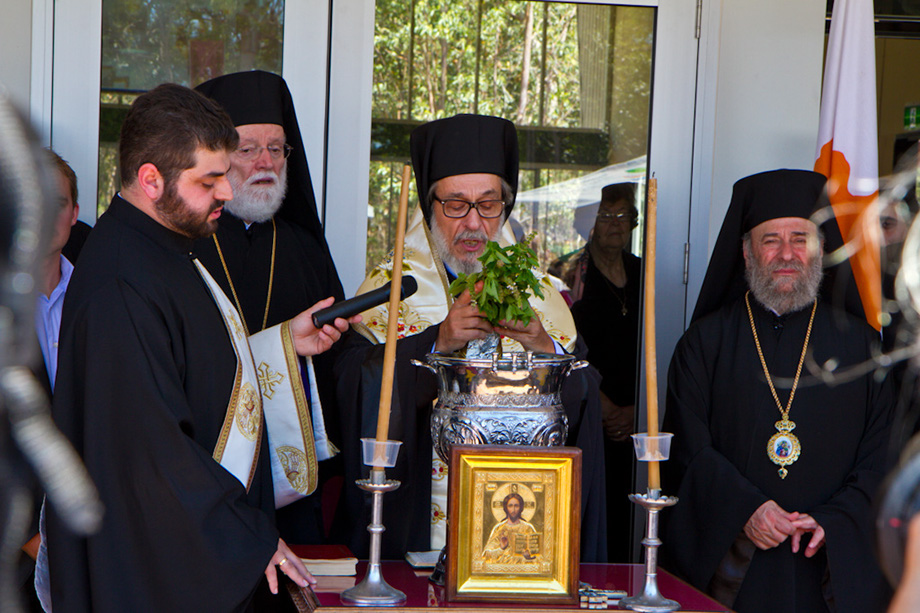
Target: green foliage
pixel 435 58
pixel 508 281
pixel 148 42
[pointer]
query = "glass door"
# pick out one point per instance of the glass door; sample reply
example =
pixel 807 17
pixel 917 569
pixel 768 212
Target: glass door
pixel 574 78
pixel 106 52
pixel 179 41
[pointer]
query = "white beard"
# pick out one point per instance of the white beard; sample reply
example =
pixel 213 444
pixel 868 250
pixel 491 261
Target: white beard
pixel 257 203
pixel 469 264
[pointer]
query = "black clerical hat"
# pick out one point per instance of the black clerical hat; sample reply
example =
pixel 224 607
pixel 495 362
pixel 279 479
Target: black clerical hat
pixel 257 96
pixel 756 199
pixel 464 144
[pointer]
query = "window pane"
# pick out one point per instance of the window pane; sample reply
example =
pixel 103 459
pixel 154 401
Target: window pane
pixel 574 78
pixel 148 42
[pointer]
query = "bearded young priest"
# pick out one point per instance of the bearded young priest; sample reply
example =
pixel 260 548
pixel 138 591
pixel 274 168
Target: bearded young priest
pixel 269 254
pixel 466 172
pixel 158 391
pixel 774 468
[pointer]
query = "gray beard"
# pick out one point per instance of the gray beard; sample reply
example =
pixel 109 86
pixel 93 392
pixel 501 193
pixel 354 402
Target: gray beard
pixel 257 203
pixel 767 291
pixel 467 265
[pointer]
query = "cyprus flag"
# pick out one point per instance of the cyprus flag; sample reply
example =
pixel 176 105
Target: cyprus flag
pixel 848 143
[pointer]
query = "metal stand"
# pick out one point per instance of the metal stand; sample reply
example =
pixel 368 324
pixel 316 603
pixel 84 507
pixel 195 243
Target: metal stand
pixel 651 600
pixel 373 589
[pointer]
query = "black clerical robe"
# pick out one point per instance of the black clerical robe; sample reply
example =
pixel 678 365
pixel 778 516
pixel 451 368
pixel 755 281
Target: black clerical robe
pixel 407 511
pixel 722 414
pixel 303 271
pixel 146 370
pixel 304 274
pixel 612 338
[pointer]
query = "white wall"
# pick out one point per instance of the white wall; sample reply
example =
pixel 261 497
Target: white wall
pixel 758 103
pixel 15 46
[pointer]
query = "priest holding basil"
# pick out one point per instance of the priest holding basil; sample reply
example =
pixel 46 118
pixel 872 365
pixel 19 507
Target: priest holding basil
pixel 466 170
pixel 774 467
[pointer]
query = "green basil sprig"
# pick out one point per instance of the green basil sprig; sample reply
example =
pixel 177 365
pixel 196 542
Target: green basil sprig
pixel 508 281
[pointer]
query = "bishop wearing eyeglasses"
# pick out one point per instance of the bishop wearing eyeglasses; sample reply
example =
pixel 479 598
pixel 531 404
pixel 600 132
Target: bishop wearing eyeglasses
pixel 270 256
pixel 466 170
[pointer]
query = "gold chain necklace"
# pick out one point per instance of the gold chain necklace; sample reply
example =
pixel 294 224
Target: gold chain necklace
pixel 615 291
pixel 271 279
pixel 783 447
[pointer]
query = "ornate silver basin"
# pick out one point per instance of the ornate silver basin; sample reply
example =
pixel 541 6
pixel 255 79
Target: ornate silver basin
pixel 512 400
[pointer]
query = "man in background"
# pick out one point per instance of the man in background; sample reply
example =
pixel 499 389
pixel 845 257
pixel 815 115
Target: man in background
pixel 269 253
pixel 607 317
pixel 57 270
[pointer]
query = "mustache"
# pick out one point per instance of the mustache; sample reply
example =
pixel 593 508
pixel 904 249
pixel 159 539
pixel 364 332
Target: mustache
pixel 796 265
pixel 477 235
pixel 261 176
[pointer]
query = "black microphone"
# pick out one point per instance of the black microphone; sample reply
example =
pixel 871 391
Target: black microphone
pixel 359 304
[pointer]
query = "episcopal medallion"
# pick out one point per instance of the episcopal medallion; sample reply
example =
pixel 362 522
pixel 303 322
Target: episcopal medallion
pixel 784 447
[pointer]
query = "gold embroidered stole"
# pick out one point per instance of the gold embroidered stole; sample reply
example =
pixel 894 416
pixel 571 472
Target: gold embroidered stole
pixel 237 447
pixel 287 413
pixel 275 388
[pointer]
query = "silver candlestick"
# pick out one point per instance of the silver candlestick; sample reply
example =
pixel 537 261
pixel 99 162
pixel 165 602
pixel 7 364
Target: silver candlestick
pixel 373 590
pixel 651 448
pixel 651 599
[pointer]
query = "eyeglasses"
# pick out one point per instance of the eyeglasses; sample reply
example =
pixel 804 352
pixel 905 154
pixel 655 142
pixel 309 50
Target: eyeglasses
pixel 456 208
pixel 621 217
pixel 248 153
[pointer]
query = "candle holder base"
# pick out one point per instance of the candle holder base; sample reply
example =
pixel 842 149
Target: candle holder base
pixel 651 600
pixel 645 604
pixel 374 591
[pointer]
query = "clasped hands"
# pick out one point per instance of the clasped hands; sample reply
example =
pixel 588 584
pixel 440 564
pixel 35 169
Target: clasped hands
pixel 770 525
pixel 464 323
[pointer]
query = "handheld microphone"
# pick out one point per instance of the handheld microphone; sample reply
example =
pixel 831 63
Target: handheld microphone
pixel 359 304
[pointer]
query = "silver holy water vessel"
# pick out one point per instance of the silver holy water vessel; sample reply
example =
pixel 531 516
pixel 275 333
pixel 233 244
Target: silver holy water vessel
pixel 510 400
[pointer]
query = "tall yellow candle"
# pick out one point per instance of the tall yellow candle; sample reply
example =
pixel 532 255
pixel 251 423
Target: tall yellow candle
pixel 389 352
pixel 651 361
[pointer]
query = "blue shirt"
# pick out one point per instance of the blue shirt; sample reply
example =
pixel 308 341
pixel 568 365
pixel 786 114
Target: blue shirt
pixel 48 319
